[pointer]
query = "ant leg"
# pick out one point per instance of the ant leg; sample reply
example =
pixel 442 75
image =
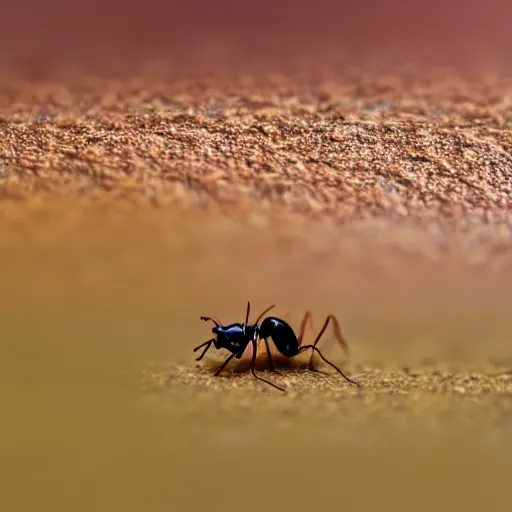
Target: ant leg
pixel 254 350
pixel 329 363
pixel 208 345
pixel 270 361
pixel 337 332
pixel 339 337
pixel 214 320
pixel 303 324
pixel 224 364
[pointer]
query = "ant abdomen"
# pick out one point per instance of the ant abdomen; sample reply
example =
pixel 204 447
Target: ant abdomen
pixel 282 335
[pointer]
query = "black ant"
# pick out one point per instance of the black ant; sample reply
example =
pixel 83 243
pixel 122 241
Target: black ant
pixel 235 338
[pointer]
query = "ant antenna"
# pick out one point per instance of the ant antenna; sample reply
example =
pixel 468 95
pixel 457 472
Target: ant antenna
pixel 215 320
pixel 247 315
pixel 262 314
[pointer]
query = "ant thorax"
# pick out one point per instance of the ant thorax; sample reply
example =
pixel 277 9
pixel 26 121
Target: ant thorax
pixel 251 332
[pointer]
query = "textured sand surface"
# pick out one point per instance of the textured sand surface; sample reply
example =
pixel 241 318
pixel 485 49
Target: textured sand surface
pixel 421 147
pixel 413 145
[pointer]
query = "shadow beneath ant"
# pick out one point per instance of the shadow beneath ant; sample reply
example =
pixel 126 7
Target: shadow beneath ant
pixel 301 362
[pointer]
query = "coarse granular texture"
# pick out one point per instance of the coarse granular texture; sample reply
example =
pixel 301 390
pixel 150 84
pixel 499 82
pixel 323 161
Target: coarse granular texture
pixel 421 146
pixel 405 384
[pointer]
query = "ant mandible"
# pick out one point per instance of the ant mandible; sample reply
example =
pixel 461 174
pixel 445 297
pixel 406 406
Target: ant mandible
pixel 235 338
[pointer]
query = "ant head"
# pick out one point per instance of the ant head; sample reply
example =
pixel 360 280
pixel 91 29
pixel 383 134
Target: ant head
pixel 230 331
pixel 225 329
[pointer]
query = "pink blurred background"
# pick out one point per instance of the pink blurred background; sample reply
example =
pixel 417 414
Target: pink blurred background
pixel 176 29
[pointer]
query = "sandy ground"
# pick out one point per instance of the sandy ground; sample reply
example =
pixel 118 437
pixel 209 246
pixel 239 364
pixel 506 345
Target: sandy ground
pixel 132 205
pixel 417 146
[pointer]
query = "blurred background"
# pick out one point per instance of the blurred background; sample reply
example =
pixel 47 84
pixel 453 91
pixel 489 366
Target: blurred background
pixel 446 30
pixel 102 405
